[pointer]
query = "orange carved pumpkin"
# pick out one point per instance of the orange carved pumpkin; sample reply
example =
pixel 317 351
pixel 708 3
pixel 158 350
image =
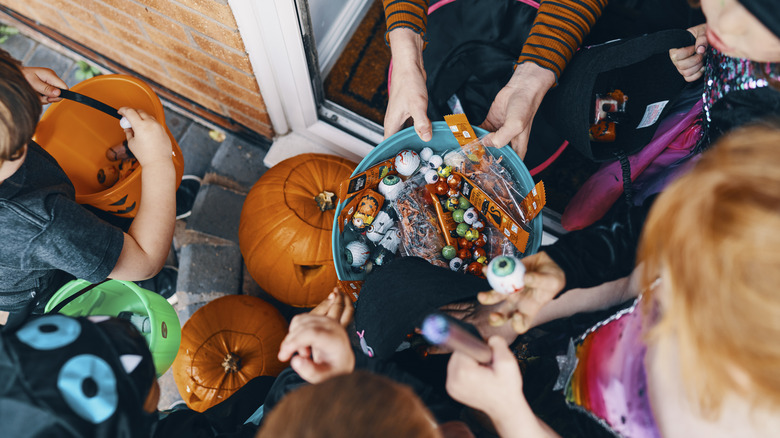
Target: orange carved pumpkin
pixel 225 344
pixel 285 236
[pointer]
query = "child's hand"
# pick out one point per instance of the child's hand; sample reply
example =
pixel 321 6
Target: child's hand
pixel 338 306
pixel 45 82
pixel 147 138
pixel 317 347
pixel 690 60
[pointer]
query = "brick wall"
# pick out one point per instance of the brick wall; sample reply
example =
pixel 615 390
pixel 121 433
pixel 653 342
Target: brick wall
pixel 190 47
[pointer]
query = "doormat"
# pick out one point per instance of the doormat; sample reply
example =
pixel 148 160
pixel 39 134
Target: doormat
pixel 358 79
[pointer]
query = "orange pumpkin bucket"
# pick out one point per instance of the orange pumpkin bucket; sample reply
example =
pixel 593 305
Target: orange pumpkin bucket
pixel 77 136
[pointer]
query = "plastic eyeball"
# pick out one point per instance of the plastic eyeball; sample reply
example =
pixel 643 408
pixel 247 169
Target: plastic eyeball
pixel 448 252
pixel 426 154
pixel 390 187
pixel 444 171
pixel 431 177
pixel 435 161
pixel 505 274
pixel 406 162
pixel 470 216
pixel 357 253
pixel 462 229
pixel 456 264
pixel 457 215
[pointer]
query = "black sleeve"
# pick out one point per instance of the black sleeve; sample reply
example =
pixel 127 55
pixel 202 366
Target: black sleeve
pixel 602 252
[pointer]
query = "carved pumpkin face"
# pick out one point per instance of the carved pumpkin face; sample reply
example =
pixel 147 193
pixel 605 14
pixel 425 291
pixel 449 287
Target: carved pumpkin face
pixel 284 237
pixel 224 345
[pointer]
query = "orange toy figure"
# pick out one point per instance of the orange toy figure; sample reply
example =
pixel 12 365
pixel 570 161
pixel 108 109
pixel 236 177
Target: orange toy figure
pixel 368 208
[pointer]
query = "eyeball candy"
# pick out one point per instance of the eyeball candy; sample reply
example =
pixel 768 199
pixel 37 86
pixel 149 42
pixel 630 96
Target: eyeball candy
pixel 470 216
pixel 406 162
pixel 431 177
pixel 456 264
pixel 426 153
pixel 124 123
pixel 505 274
pixel 435 161
pixel 357 253
pixel 390 187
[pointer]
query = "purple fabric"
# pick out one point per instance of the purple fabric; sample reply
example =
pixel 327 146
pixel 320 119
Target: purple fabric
pixel 675 138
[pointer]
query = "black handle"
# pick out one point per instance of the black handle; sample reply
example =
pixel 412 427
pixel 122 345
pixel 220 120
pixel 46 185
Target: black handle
pixel 86 100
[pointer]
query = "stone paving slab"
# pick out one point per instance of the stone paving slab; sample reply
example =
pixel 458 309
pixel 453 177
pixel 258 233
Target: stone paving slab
pixel 198 149
pixel 217 211
pixel 240 162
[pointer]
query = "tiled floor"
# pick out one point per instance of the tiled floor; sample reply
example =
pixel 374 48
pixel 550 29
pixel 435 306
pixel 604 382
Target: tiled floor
pixel 206 243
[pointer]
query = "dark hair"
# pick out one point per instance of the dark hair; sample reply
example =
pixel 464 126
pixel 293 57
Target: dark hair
pixel 20 108
pixel 356 404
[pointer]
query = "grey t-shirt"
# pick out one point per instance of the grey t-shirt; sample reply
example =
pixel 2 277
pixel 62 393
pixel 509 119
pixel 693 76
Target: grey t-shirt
pixel 43 230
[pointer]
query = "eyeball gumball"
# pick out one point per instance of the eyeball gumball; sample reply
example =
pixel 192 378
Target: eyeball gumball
pixel 505 274
pixel 406 162
pixel 390 187
pixel 456 264
pixel 431 177
pixel 357 253
pixel 470 216
pixel 426 154
pixel 435 161
pixel 449 252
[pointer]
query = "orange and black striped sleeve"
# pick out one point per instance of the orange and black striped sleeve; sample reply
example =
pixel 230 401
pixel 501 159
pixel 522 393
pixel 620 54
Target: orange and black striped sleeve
pixel 558 31
pixel 411 14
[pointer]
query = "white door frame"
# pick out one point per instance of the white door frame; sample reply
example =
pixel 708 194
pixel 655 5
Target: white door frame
pixel 271 34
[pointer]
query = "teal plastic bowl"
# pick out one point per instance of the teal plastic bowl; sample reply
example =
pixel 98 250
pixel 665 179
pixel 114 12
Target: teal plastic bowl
pixel 442 141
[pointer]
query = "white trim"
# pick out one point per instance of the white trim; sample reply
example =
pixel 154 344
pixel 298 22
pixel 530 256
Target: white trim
pixel 333 43
pixel 271 34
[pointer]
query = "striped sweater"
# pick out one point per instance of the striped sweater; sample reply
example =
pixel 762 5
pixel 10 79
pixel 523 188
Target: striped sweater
pixel 558 30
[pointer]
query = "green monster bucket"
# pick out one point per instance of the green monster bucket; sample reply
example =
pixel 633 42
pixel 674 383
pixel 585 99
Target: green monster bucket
pixel 148 311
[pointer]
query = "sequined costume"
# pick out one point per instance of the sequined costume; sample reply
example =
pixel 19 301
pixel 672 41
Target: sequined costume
pixel 604 375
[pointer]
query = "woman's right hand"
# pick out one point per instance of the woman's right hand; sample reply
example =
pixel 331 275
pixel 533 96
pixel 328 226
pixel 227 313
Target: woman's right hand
pixel 690 60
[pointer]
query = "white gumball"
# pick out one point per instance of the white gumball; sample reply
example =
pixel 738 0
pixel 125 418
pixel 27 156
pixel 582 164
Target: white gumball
pixel 470 215
pixel 505 274
pixel 431 176
pixel 426 153
pixel 357 253
pixel 406 162
pixel 124 123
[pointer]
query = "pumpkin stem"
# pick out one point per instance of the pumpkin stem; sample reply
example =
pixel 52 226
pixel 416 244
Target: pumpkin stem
pixel 231 363
pixel 325 200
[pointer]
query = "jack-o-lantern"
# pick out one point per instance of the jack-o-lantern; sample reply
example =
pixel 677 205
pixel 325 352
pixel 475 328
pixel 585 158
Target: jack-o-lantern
pixel 286 224
pixel 224 345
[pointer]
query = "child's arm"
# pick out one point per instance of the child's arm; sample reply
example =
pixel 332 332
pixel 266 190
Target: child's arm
pixel 45 82
pixel 148 240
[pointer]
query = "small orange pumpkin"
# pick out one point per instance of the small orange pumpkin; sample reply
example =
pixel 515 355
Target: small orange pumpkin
pixel 285 236
pixel 225 344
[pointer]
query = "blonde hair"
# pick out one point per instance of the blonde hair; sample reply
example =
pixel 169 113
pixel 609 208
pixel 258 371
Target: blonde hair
pixel 356 404
pixel 20 109
pixel 714 236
